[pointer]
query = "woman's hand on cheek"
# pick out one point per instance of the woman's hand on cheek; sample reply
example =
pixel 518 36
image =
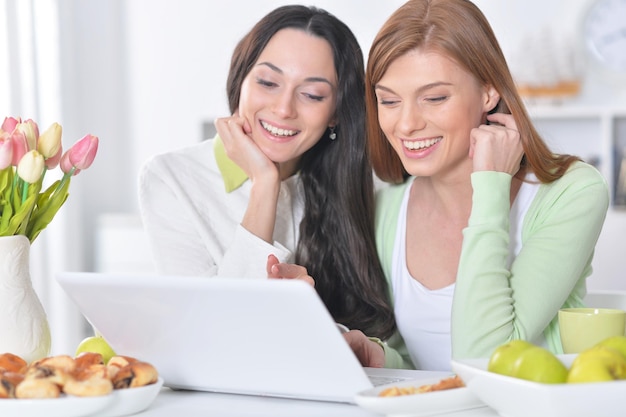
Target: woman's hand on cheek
pixel 496 147
pixel 279 270
pixel 235 132
pixel 368 352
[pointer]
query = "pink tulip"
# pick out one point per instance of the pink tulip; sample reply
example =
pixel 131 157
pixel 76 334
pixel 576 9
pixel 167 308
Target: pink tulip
pixel 20 146
pixel 54 160
pixel 83 152
pixel 66 165
pixel 6 152
pixel 10 123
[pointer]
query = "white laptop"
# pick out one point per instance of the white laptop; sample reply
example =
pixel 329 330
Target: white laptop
pixel 242 336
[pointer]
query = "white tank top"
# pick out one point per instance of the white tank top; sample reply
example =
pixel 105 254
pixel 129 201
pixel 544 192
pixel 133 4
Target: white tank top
pixel 423 315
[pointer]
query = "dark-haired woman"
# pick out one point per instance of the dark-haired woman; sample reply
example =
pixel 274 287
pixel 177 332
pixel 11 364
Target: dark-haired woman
pixel 286 181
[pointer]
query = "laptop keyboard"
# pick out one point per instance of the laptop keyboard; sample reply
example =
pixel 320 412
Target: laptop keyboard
pixel 378 380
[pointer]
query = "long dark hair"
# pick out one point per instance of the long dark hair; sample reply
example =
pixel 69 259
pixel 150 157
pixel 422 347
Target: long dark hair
pixel 459 30
pixel 337 244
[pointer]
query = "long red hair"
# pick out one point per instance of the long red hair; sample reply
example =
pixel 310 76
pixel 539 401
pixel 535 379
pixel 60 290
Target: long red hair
pixel 459 30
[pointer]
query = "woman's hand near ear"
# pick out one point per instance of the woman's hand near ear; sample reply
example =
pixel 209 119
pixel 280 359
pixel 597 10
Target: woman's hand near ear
pixel 496 147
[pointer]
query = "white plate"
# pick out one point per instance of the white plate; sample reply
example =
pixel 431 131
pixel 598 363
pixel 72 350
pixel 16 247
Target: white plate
pixel 131 400
pixel 514 397
pixel 119 403
pixel 54 407
pixel 425 404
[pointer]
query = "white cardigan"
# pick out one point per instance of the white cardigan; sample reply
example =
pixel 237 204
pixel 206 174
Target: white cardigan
pixel 193 223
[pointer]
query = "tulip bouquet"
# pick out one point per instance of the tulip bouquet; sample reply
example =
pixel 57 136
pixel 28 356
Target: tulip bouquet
pixel 25 157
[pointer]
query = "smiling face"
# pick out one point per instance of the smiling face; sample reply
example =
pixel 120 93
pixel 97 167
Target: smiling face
pixel 427 106
pixel 289 95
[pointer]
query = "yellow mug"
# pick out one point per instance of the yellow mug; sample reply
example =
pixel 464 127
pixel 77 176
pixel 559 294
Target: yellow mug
pixel 584 327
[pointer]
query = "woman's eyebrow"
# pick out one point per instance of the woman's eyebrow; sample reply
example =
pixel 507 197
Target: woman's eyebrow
pixel 308 79
pixel 419 90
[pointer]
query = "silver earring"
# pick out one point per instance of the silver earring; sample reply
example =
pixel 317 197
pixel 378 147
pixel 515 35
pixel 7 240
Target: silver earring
pixel 332 135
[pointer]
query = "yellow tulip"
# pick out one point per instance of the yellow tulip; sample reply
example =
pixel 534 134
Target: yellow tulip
pixel 49 142
pixel 31 131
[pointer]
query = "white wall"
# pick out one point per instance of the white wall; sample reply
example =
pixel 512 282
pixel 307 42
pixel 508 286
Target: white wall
pixel 515 21
pixel 145 75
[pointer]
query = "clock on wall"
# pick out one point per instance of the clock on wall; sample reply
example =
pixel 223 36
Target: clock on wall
pixel 604 34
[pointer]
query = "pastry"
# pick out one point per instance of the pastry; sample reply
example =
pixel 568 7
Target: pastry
pixel 37 388
pixel 86 359
pixel 444 384
pixel 8 382
pixel 90 387
pixel 136 374
pixel 12 363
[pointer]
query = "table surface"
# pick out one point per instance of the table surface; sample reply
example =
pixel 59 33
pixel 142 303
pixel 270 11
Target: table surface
pixel 205 404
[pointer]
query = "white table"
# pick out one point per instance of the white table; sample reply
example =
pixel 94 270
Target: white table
pixel 171 403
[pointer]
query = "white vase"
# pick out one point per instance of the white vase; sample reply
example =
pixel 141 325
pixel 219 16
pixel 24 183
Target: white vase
pixel 24 329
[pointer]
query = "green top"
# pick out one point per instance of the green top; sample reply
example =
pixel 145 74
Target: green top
pixel 492 303
pixel 232 174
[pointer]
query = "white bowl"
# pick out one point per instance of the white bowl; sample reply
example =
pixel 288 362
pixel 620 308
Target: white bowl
pixel 129 401
pixel 121 402
pixel 514 397
pixel 65 406
pixel 418 405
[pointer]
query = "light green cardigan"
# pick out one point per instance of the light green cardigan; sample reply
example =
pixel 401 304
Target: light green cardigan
pixel 492 303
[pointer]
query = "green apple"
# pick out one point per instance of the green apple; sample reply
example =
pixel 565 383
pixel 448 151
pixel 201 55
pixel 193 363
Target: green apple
pixel 597 364
pixel 539 365
pixel 616 342
pixel 503 358
pixel 96 344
